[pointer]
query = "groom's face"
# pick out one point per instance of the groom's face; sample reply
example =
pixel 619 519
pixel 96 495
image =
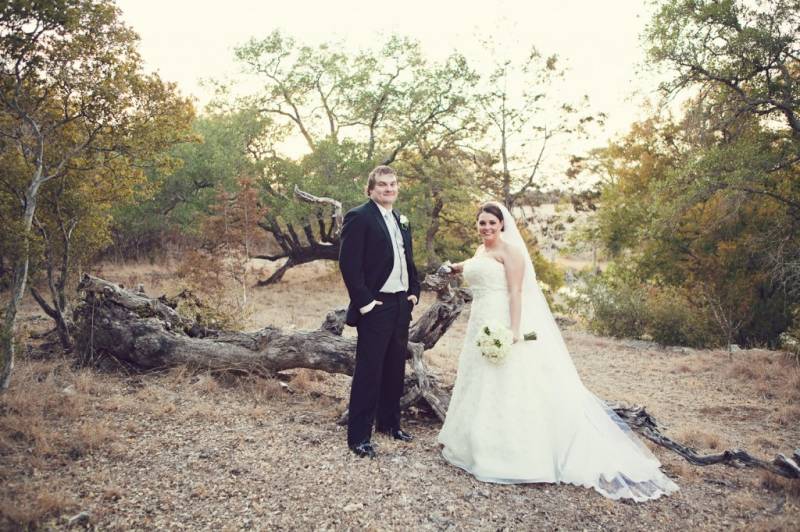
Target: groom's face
pixel 384 193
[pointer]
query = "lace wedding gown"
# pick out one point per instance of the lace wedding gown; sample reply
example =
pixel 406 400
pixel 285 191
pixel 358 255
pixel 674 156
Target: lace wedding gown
pixel 530 418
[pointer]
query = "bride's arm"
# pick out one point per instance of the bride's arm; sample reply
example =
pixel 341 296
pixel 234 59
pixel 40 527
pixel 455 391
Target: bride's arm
pixel 515 270
pixel 458 267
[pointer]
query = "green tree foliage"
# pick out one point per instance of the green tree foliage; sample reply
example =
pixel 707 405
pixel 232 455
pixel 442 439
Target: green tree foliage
pixel 323 119
pixel 79 122
pixel 174 202
pixel 748 50
pixel 522 114
pixel 387 105
pixel 703 212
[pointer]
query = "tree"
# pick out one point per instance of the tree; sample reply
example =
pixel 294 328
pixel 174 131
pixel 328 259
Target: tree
pixel 751 50
pixel 743 59
pixel 76 110
pixel 230 235
pixel 516 107
pixel 680 218
pixel 706 207
pixel 351 112
pixel 439 189
pixel 176 200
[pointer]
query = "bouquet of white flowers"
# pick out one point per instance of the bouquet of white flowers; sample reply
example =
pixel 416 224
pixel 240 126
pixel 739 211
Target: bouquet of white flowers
pixel 495 342
pixel 495 339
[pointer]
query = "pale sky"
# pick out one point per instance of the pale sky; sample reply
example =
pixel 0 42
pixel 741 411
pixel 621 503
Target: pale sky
pixel 189 40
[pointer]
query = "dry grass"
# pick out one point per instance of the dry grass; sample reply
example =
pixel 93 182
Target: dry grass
pixel 117 402
pixel 93 435
pixel 262 390
pixel 41 397
pixel 793 386
pixel 766 444
pixel 683 368
pixel 699 438
pixel 27 511
pixel 715 410
pixel 682 470
pixel 775 524
pixel 302 381
pixel 745 501
pixel 771 374
pixel 205 384
pixel 112 493
pixel 86 382
pixel 199 450
pixel 788 415
pixel 205 412
pixel 784 486
pixel 744 370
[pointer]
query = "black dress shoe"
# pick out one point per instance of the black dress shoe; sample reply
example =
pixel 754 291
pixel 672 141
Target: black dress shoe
pixel 398 434
pixel 364 449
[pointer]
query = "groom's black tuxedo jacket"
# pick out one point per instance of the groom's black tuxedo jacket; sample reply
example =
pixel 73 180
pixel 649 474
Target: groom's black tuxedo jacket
pixel 366 257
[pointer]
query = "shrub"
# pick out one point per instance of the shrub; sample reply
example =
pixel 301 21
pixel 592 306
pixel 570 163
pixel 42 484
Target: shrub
pixel 671 319
pixel 618 304
pixel 614 306
pixel 209 295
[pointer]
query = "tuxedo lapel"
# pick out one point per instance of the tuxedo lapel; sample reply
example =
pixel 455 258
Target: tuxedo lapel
pixel 376 212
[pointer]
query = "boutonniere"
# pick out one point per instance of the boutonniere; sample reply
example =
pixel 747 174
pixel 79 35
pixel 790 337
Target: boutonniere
pixel 404 222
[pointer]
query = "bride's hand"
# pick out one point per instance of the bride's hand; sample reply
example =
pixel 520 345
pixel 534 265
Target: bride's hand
pixel 450 269
pixel 516 338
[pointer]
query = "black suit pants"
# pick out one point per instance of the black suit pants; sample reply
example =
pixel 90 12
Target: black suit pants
pixel 380 368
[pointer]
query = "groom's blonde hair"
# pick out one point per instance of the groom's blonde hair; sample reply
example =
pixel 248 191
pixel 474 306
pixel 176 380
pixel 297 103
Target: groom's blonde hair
pixel 378 171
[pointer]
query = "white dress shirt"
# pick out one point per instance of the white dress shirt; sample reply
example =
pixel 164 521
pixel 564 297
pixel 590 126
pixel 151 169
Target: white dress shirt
pixel 398 277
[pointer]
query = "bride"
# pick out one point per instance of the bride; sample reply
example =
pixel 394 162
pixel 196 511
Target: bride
pixel 529 418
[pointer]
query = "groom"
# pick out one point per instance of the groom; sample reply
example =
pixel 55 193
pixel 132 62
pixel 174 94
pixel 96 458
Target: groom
pixel 378 270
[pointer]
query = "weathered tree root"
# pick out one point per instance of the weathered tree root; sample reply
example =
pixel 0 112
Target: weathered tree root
pixel 146 333
pixel 640 420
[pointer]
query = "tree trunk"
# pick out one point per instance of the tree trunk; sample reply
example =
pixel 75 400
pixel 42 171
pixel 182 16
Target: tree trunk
pixel 10 320
pixel 433 230
pixel 59 315
pixel 18 284
pixel 640 420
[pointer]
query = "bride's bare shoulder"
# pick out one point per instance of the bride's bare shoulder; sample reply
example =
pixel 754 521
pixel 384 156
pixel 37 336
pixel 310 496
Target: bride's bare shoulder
pixel 511 253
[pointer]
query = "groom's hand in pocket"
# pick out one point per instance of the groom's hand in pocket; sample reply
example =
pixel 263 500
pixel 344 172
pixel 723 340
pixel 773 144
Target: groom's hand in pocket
pixel 367 308
pixel 413 299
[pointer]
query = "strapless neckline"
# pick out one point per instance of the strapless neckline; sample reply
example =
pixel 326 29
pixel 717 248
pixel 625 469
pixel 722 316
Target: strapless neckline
pixel 487 257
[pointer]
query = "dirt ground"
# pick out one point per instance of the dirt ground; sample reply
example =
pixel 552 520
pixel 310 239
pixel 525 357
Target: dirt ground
pixel 180 450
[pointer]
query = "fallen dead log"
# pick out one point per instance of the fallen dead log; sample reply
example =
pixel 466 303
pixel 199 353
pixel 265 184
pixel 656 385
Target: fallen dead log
pixel 146 333
pixel 640 420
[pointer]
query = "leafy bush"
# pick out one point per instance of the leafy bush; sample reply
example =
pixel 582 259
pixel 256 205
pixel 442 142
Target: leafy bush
pixel 208 293
pixel 617 304
pixel 612 305
pixel 672 319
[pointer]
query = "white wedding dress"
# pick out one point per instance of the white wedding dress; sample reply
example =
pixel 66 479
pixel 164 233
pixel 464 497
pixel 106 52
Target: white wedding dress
pixel 530 418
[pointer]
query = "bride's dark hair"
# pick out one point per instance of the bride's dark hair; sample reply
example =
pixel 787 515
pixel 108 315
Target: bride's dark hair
pixel 492 209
